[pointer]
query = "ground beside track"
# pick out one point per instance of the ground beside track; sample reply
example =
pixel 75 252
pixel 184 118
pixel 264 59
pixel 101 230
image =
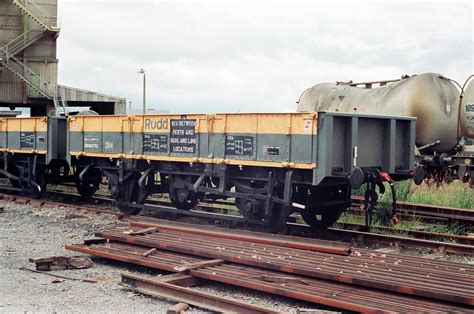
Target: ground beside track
pixel 32 232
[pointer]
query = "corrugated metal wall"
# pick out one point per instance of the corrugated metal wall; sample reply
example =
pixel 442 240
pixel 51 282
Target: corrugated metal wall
pixel 11 24
pixel 11 87
pixel 48 73
pixel 40 56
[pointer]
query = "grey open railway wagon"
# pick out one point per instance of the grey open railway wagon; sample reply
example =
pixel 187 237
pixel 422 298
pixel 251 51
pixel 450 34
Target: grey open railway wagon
pixel 271 163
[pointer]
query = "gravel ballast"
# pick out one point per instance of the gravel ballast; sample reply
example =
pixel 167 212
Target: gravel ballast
pixel 36 232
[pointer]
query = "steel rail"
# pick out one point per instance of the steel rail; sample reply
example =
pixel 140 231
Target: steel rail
pixel 304 231
pixel 411 242
pixel 338 295
pixel 351 298
pixel 418 234
pixel 397 240
pixel 332 247
pixel 452 213
pixel 187 295
pixel 293 228
pixel 133 254
pixel 395 277
pixel 53 203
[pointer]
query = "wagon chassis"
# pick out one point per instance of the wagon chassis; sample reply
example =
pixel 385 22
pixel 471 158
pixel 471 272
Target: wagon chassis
pixel 24 174
pixel 264 197
pixel 130 182
pixel 29 174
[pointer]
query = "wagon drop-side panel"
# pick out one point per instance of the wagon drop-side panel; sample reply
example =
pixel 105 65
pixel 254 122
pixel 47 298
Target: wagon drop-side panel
pixel 24 135
pixel 250 139
pixel 330 143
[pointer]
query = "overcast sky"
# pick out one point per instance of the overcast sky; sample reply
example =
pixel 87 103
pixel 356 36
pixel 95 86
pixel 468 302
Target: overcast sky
pixel 254 56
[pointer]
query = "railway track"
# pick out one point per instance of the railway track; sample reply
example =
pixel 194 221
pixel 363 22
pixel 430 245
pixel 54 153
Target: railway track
pixel 418 234
pixel 406 210
pixel 426 212
pixel 411 238
pixel 361 281
pixel 354 236
pixel 430 213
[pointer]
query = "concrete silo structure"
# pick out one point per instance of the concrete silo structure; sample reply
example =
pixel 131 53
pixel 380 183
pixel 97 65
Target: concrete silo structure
pixel 28 64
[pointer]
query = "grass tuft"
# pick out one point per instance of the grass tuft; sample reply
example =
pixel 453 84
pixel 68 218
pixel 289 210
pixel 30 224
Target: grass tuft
pixel 454 194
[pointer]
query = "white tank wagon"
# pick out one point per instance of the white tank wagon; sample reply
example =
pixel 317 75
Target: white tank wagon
pixel 445 120
pixel 431 98
pixel 465 148
pixel 467 109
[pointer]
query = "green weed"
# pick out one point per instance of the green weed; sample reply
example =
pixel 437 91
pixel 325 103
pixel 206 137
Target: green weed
pixel 448 229
pixel 454 194
pixel 351 219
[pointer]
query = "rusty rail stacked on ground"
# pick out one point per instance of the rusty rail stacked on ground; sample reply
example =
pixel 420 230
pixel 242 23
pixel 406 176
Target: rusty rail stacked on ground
pixel 362 281
pixel 176 288
pixel 351 235
pixel 321 292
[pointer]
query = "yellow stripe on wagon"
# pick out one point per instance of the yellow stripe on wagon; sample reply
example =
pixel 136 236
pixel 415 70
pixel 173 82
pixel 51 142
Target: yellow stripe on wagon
pixel 236 162
pixel 35 124
pixel 24 151
pixel 250 123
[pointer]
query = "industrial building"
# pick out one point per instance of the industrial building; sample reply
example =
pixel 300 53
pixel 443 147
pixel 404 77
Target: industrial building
pixel 29 30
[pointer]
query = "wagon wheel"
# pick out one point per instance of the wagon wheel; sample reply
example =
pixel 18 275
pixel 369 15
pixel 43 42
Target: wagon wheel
pixel 130 210
pixel 128 193
pixel 277 222
pixel 181 197
pixel 319 219
pixel 14 171
pixel 36 188
pixel 86 189
pixel 273 224
pixel 254 210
